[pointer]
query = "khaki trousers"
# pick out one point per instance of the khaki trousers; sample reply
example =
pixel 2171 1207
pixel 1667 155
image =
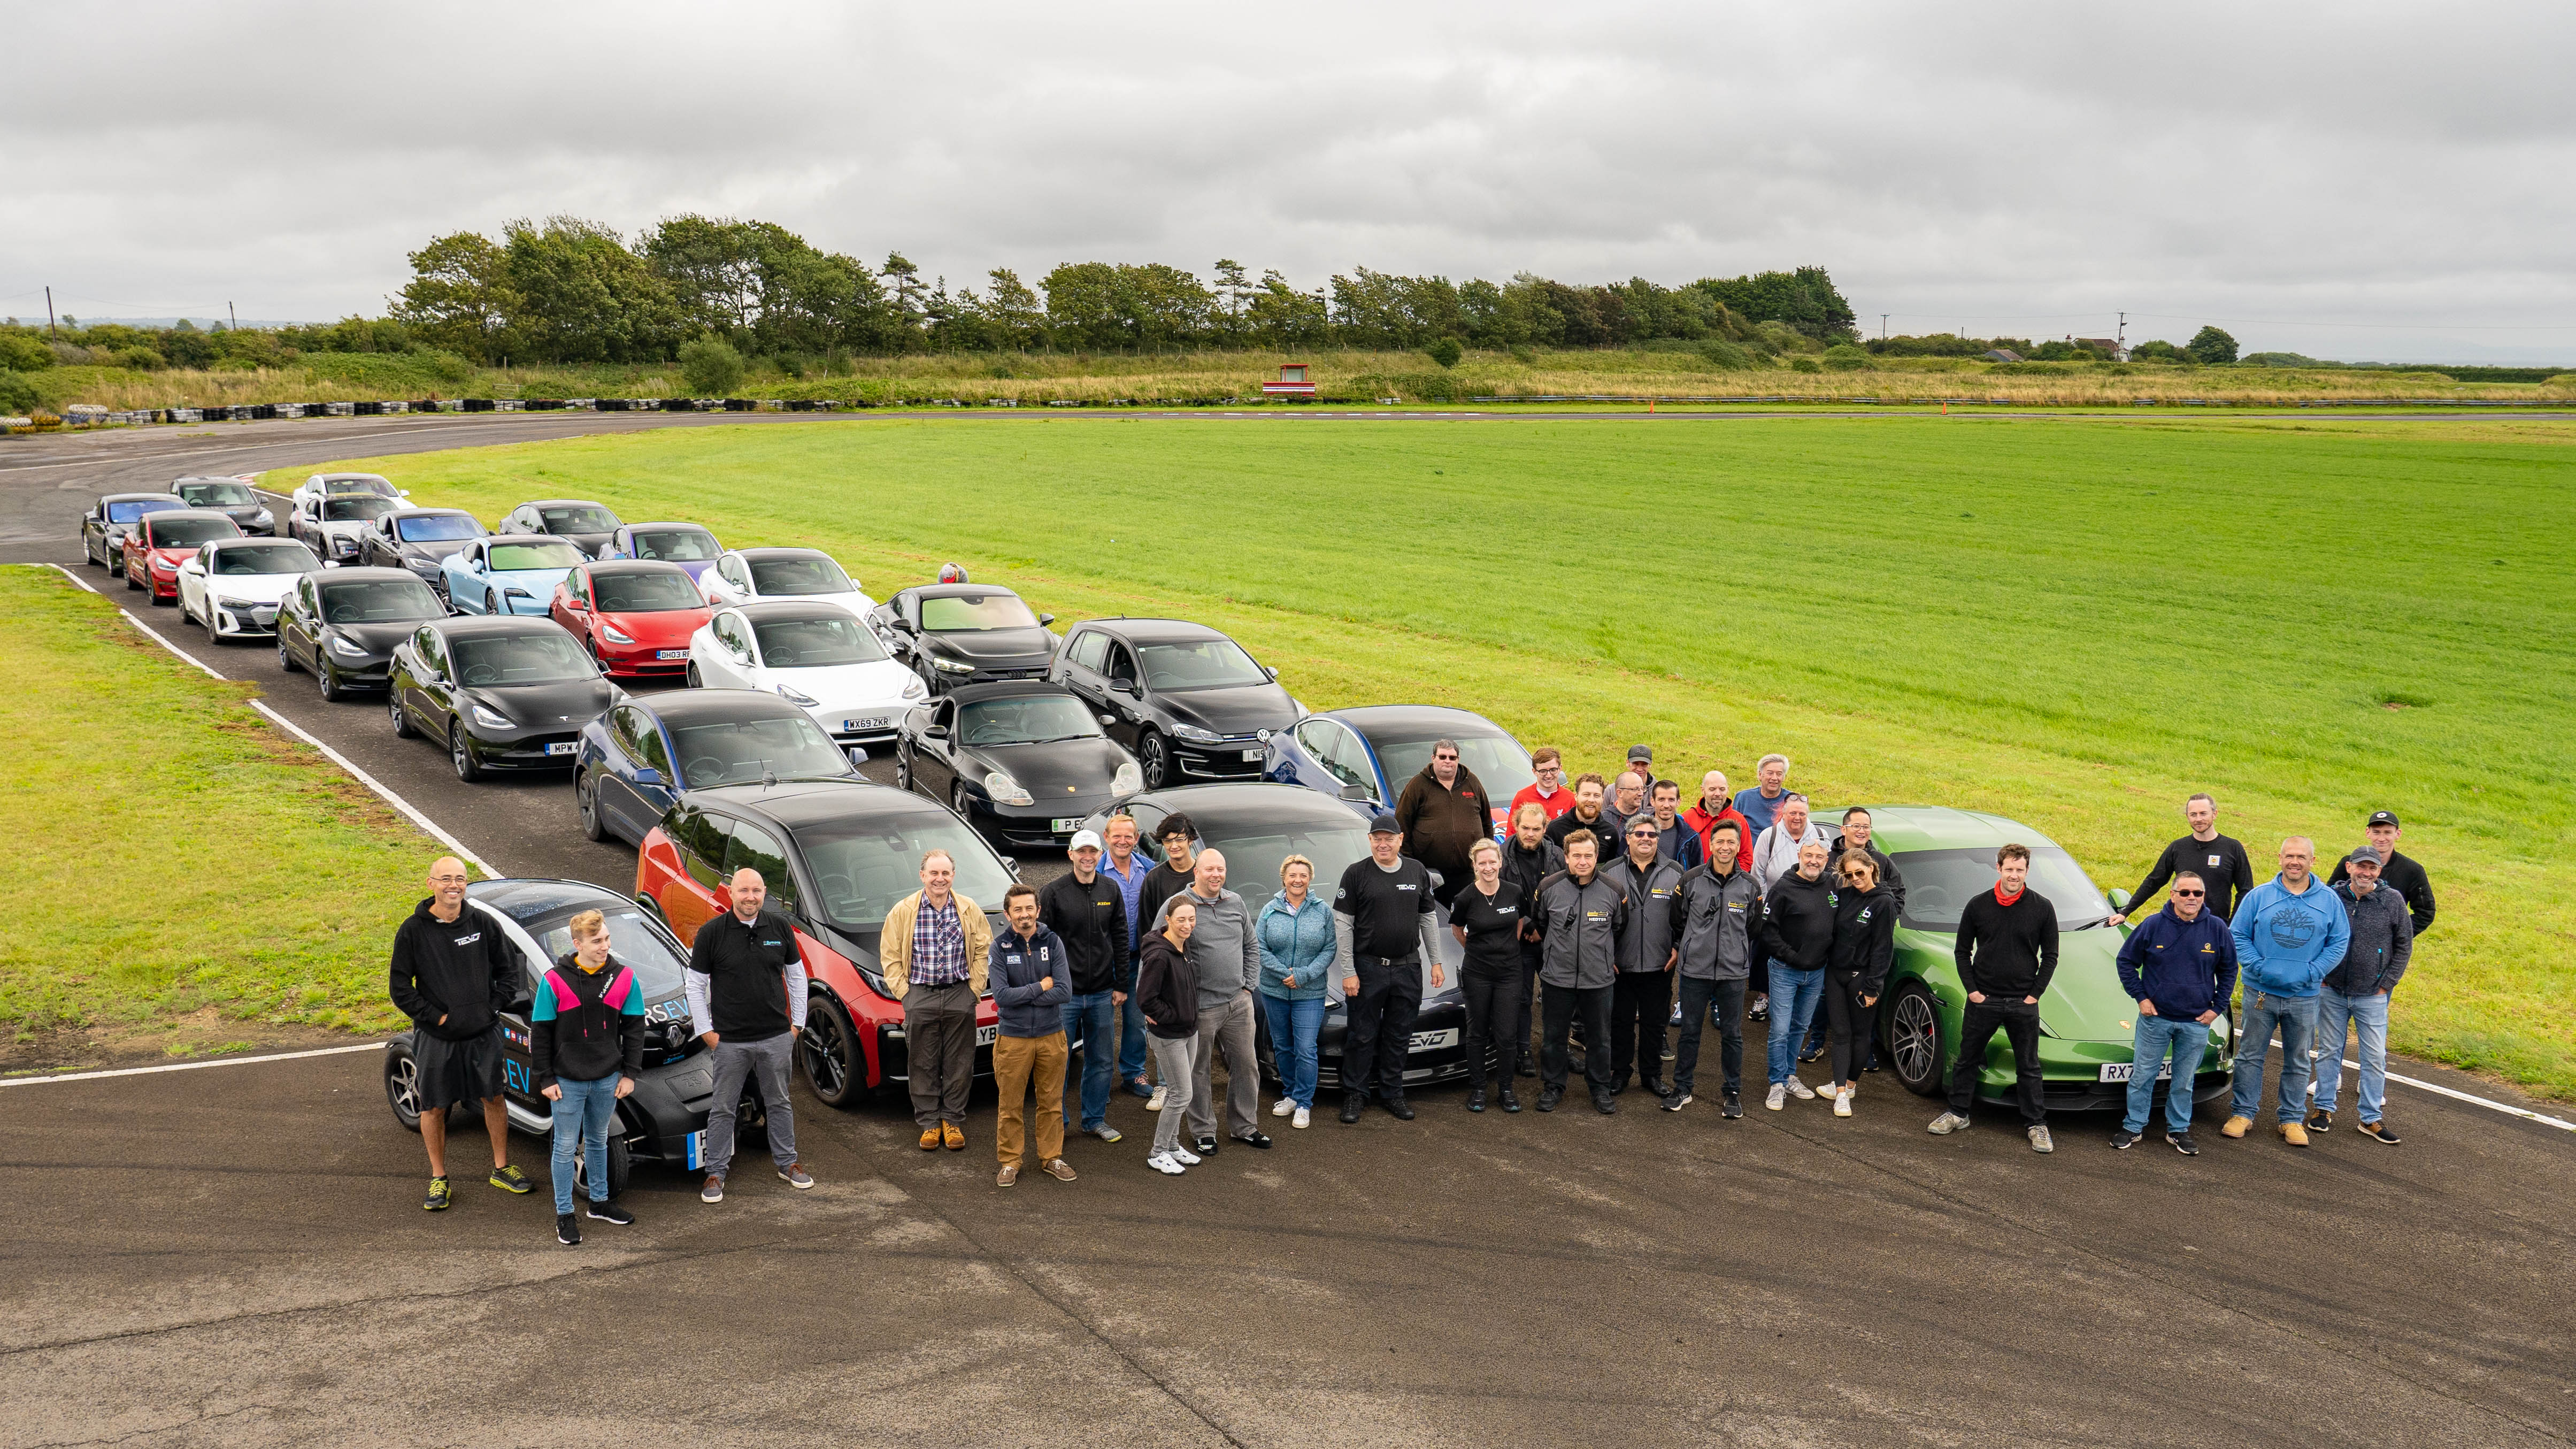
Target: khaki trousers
pixel 1020 1062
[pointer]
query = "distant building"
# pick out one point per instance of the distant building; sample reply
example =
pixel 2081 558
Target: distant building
pixel 2108 346
pixel 1294 381
pixel 2001 354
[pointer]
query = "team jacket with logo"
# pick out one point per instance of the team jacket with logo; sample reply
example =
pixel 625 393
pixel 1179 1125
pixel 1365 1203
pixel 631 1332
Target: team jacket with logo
pixel 1714 918
pixel 463 970
pixel 2184 967
pixel 1646 940
pixel 1018 963
pixel 1578 926
pixel 1864 934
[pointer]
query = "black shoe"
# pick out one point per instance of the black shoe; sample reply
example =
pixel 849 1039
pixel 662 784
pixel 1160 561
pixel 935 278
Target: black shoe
pixel 2320 1121
pixel 1352 1102
pixel 1207 1147
pixel 1618 1087
pixel 1675 1101
pixel 1604 1103
pixel 2181 1142
pixel 2124 1139
pixel 1476 1100
pixel 1810 1054
pixel 1528 1066
pixel 567 1232
pixel 1734 1106
pixel 1760 1010
pixel 1548 1097
pixel 1255 1138
pixel 609 1212
pixel 1659 1089
pixel 1400 1109
pixel 1510 1102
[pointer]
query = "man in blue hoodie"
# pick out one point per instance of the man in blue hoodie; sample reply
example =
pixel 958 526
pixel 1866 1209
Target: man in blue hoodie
pixel 2180 967
pixel 2290 931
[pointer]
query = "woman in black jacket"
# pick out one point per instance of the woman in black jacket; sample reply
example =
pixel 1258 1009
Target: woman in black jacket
pixel 1797 930
pixel 1864 944
pixel 1167 994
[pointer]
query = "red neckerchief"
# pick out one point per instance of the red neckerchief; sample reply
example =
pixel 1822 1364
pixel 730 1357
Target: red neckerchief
pixel 2004 900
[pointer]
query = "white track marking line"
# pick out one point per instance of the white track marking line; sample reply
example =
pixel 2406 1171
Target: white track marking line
pixel 373 1046
pixel 409 810
pixel 2507 1108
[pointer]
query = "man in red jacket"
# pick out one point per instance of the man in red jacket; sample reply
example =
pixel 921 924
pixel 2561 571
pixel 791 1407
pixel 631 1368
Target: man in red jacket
pixel 1715 805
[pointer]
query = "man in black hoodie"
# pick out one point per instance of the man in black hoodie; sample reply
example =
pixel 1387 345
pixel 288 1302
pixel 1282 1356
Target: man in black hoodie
pixel 2007 952
pixel 453 975
pixel 1529 858
pixel 1088 913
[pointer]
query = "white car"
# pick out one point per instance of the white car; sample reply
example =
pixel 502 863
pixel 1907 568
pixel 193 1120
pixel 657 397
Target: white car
pixel 233 585
pixel 807 575
pixel 336 525
pixel 324 484
pixel 815 655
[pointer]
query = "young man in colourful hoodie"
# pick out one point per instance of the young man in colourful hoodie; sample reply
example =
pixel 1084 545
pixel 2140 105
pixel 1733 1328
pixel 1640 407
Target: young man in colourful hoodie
pixel 586 1044
pixel 2179 965
pixel 2290 931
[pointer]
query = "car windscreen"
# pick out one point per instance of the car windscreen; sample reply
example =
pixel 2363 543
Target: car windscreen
pixel 265 558
pixel 190 532
pixel 679 545
pixel 788 576
pixel 357 483
pixel 653 593
pixel 550 658
pixel 735 752
pixel 966 613
pixel 1940 883
pixel 1253 850
pixel 1199 664
pixel 631 940
pixel 1036 719
pixel 438 528
pixel 1499 763
pixel 817 643
pixel 579 520
pixel 355 510
pixel 861 867
pixel 511 558
pixel 222 494
pixel 379 601
pixel 129 512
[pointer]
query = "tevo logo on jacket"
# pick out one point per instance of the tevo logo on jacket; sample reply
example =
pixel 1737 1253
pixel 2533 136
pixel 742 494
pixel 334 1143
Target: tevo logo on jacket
pixel 468 940
pixel 1408 885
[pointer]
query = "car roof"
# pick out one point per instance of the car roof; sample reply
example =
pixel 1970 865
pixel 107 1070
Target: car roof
pixel 765 611
pixel 959 591
pixel 486 626
pixel 693 706
pixel 1008 689
pixel 174 515
pixel 527 899
pixel 364 575
pixel 1899 828
pixel 139 497
pixel 1370 718
pixel 1155 630
pixel 560 503
pixel 207 478
pixel 254 538
pixel 333 477
pixel 355 493
pixel 771 551
pixel 628 567
pixel 672 523
pixel 813 802
pixel 426 512
pixel 1249 801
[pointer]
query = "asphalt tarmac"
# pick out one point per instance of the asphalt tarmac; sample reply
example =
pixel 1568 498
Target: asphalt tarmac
pixel 237 1254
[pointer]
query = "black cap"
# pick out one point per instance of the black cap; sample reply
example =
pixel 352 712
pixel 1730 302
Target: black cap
pixel 1642 752
pixel 2383 817
pixel 2361 854
pixel 1383 823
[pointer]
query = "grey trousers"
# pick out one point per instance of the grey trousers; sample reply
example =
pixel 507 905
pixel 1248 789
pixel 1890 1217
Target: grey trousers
pixel 1228 1027
pixel 1172 1057
pixel 939 1051
pixel 735 1061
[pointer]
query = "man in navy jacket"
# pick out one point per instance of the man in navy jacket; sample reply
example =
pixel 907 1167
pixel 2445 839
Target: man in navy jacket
pixel 2180 967
pixel 1031 981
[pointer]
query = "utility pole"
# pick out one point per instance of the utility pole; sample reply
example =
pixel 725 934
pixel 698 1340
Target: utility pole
pixel 236 316
pixel 1882 327
pixel 49 311
pixel 2122 345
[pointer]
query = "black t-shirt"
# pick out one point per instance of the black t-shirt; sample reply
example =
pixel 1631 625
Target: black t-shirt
pixel 1493 927
pixel 746 971
pixel 1386 907
pixel 2221 864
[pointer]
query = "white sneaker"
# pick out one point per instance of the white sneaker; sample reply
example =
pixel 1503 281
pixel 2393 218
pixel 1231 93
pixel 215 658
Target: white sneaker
pixel 1800 1090
pixel 1842 1102
pixel 1778 1099
pixel 1282 1107
pixel 1301 1119
pixel 1186 1157
pixel 1163 1162
pixel 1155 1102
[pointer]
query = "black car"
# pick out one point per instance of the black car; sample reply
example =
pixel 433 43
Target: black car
pixel 1257 826
pixel 343 625
pixel 418 539
pixel 232 498
pixel 663 1122
pixel 111 520
pixel 335 525
pixel 583 524
pixel 1187 699
pixel 649 751
pixel 501 692
pixel 1022 761
pixel 952 634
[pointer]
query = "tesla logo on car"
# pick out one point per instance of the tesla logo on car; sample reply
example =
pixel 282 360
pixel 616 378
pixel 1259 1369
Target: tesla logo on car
pixel 1073 789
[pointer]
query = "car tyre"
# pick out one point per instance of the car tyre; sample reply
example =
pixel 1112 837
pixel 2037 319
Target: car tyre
pixel 401 717
pixel 1154 759
pixel 621 1165
pixel 214 633
pixel 402 1083
pixel 902 769
pixel 585 801
pixel 285 658
pixel 693 678
pixel 460 753
pixel 1914 1045
pixel 128 575
pixel 834 1065
pixel 327 679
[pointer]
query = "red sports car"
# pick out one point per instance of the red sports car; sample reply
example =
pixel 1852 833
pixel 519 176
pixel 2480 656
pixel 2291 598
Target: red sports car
pixel 162 541
pixel 635 616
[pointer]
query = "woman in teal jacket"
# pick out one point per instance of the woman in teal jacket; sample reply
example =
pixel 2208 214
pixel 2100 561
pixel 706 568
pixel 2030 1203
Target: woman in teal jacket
pixel 1296 937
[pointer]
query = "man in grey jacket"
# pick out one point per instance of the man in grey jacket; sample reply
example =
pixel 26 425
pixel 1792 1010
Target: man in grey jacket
pixel 1713 916
pixel 2355 995
pixel 1227 957
pixel 1644 991
pixel 1577 918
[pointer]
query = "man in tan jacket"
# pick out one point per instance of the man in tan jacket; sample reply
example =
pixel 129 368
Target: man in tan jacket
pixel 933 955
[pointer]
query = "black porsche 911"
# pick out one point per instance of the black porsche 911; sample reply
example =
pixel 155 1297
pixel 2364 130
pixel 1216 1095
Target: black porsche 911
pixel 953 634
pixel 499 691
pixel 1022 761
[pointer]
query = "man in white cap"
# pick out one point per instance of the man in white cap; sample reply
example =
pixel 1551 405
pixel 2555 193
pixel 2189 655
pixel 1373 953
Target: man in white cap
pixel 1088 912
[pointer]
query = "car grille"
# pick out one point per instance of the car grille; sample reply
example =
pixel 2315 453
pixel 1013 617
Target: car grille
pixel 985 675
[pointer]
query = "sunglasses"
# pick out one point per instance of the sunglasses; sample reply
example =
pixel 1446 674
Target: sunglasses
pixel 2191 893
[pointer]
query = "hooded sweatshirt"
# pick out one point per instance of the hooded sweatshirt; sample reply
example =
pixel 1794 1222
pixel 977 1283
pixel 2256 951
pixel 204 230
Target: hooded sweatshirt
pixel 1167 990
pixel 1864 934
pixel 1798 921
pixel 2383 941
pixel 586 1025
pixel 463 970
pixel 2287 942
pixel 2184 967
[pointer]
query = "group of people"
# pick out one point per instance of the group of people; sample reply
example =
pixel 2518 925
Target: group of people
pixel 1607 909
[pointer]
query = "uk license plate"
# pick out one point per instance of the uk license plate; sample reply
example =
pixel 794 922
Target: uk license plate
pixel 985 1035
pixel 2120 1072
pixel 1254 754
pixel 697 1148
pixel 863 722
pixel 1065 824
pixel 1425 1041
pixel 563 747
pixel 670 653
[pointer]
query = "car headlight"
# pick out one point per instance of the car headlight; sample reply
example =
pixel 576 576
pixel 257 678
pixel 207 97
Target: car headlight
pixel 241 605
pixel 1197 735
pixel 795 698
pixel 1128 781
pixel 340 645
pixel 913 689
pixel 264 516
pixel 951 666
pixel 490 720
pixel 613 634
pixel 1004 789
pixel 164 566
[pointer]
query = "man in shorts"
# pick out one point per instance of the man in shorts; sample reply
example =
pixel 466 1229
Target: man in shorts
pixel 453 976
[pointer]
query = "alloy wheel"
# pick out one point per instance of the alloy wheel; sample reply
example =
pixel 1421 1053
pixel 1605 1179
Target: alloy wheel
pixel 1156 759
pixel 1914 1039
pixel 585 798
pixel 402 1089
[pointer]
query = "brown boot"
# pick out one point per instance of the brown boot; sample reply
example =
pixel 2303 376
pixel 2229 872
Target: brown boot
pixel 2236 1127
pixel 953 1136
pixel 2293 1133
pixel 930 1138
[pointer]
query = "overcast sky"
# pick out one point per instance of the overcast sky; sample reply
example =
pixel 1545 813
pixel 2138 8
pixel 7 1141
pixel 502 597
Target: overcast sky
pixel 2357 181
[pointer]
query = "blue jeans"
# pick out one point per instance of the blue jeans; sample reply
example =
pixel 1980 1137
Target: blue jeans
pixel 2186 1039
pixel 582 1115
pixel 1294 1026
pixel 1093 1020
pixel 1794 995
pixel 2367 1016
pixel 2296 1016
pixel 1131 1040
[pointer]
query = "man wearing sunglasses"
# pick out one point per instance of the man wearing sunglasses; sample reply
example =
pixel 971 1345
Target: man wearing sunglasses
pixel 2180 966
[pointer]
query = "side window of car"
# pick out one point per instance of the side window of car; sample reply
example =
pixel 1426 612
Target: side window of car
pixel 577 584
pixel 1089 648
pixel 421 641
pixel 649 746
pixel 701 838
pixel 622 730
pixel 1122 662
pixel 729 634
pixel 756 849
pixel 1342 755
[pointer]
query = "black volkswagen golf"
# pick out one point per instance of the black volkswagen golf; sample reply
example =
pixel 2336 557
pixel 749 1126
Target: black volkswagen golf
pixel 664 1122
pixel 498 691
pixel 1187 699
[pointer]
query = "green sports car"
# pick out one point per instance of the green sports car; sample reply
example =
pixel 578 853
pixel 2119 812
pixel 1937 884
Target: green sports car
pixel 1946 857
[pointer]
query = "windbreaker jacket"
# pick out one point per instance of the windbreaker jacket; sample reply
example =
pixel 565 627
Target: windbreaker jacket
pixel 1646 939
pixel 1018 964
pixel 1704 825
pixel 2285 944
pixel 1578 924
pixel 463 970
pixel 1864 935
pixel 2184 967
pixel 1297 942
pixel 2383 941
pixel 1798 921
pixel 1714 920
pixel 1092 922
pixel 894 945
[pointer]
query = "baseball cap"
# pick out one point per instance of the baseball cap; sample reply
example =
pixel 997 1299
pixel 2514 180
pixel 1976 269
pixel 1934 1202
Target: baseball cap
pixel 1083 839
pixel 2383 817
pixel 1383 823
pixel 2361 853
pixel 1641 752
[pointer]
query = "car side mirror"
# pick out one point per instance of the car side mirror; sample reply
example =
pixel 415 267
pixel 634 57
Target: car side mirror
pixel 648 776
pixel 1109 719
pixel 2119 899
pixel 1122 685
pixel 934 732
pixel 858 755
pixel 576 605
pixel 1046 618
pixel 1273 673
pixel 330 563
pixel 1358 794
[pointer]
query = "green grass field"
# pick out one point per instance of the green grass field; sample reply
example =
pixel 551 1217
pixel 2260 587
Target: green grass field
pixel 2071 622
pixel 183 856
